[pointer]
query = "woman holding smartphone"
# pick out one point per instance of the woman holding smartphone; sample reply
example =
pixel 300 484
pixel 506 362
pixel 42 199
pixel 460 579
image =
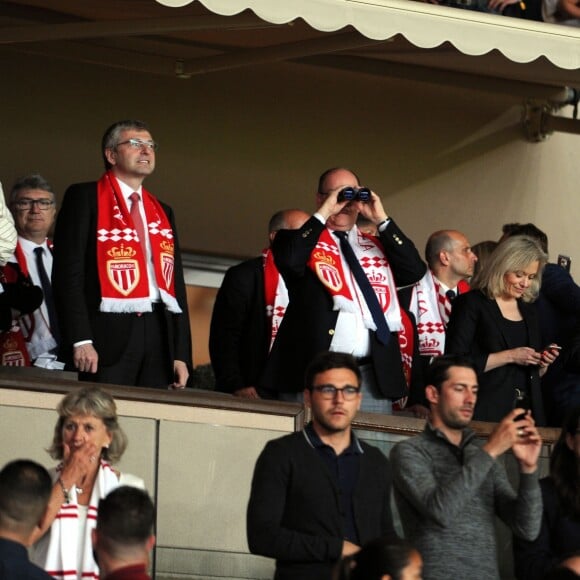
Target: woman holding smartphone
pixel 496 324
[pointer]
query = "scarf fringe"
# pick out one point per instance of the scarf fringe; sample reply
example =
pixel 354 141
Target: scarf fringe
pixel 170 302
pixel 126 305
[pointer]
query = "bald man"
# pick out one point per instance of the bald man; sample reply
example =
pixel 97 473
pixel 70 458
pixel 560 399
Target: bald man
pixel 343 308
pixel 248 310
pixel 451 262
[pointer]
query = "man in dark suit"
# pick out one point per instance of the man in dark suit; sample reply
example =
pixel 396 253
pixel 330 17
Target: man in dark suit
pixel 117 274
pixel 247 312
pixel 321 493
pixel 33 204
pixel 328 309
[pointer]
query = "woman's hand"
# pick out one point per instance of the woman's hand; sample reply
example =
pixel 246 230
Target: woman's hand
pixel 78 462
pixel 549 355
pixel 525 356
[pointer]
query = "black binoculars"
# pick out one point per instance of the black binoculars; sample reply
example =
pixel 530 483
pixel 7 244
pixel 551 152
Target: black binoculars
pixel 354 194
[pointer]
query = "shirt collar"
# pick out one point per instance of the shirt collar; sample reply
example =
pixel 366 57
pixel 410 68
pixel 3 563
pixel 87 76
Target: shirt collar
pixel 127 190
pixel 466 436
pixel 444 286
pixel 314 441
pixel 28 246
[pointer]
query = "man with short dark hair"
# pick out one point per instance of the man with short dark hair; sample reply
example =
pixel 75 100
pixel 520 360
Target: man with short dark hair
pixel 247 313
pixel 123 537
pixel 449 485
pixel 319 494
pixel 117 275
pixel 25 488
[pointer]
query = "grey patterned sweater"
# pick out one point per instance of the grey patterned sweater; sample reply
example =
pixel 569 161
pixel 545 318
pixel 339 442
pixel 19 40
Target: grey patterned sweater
pixel 447 498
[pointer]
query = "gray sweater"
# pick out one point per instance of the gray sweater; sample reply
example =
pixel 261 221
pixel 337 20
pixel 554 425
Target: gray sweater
pixel 448 497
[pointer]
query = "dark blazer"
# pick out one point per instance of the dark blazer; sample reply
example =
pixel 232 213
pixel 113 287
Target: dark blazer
pixel 294 513
pixel 15 565
pixel 309 322
pixel 239 337
pixel 475 328
pixel 77 292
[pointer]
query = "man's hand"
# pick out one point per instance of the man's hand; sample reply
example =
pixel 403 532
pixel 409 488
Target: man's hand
pixel 520 436
pixel 505 434
pixel 331 206
pixel 348 548
pixel 528 445
pixel 572 563
pixel 181 375
pixel 85 358
pixel 373 210
pixel 247 393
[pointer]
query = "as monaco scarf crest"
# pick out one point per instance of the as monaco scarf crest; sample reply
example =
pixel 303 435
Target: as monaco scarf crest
pixel 123 270
pixel 325 261
pixel 121 260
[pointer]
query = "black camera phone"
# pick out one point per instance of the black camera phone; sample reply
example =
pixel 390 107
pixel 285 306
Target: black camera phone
pixel 521 401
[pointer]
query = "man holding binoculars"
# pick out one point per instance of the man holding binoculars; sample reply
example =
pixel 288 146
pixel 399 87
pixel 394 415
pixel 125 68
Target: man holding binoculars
pixel 342 288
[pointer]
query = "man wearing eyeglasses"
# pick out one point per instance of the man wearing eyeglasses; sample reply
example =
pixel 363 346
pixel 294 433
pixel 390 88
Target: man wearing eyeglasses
pixel 319 494
pixel 342 286
pixel 118 279
pixel 33 205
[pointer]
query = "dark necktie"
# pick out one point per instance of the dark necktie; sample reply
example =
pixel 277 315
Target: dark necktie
pixel 451 294
pixel 47 291
pixel 383 332
pixel 137 220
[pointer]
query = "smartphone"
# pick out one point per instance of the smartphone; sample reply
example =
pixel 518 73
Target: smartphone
pixel 521 401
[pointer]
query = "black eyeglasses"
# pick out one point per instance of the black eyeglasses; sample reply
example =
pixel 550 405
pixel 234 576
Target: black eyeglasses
pixel 330 391
pixel 139 144
pixel 27 203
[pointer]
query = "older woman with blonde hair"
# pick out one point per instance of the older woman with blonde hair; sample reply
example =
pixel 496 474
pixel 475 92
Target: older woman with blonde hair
pixel 87 441
pixel 496 324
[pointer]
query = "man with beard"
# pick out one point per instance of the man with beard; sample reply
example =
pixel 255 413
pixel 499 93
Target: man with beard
pixel 319 494
pixel 449 485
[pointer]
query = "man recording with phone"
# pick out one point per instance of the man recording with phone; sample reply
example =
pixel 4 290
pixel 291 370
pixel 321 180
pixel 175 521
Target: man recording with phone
pixel 450 485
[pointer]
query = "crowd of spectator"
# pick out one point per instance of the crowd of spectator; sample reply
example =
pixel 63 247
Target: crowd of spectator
pixel 339 313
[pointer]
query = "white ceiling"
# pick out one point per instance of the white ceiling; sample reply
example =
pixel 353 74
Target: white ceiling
pixel 145 36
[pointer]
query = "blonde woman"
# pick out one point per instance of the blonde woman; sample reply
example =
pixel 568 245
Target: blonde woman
pixel 496 325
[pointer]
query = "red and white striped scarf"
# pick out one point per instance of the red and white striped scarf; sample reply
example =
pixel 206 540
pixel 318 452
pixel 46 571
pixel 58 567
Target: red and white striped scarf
pixel 325 261
pixel 431 307
pixel 58 550
pixel 121 260
pixel 275 293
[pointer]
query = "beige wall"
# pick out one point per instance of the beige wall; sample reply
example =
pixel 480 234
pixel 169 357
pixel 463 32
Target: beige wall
pixel 236 146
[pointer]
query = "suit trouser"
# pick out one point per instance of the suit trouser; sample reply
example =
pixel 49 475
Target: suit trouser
pixel 145 361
